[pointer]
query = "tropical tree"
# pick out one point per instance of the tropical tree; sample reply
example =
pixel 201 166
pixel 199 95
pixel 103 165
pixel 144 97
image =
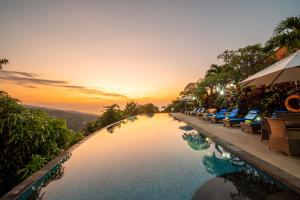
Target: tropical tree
pixel 214 69
pixel 286 34
pixel 246 61
pixel 189 89
pixel 3 62
pixel 148 108
pixel 131 109
pixel 29 138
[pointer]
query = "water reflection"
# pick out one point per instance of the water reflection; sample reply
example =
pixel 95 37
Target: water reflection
pixel 37 194
pixel 150 115
pixel 118 125
pixel 234 178
pixel 240 186
pixel 56 173
pixel 112 128
pixel 243 185
pixel 186 128
pixel 196 141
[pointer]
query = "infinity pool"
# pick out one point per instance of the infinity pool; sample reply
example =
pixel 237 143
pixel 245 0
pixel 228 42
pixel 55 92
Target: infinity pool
pixel 156 157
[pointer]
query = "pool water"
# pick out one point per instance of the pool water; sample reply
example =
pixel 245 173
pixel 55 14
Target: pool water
pixel 157 157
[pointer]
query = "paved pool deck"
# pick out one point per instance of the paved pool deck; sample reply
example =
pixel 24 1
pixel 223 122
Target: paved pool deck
pixel 250 148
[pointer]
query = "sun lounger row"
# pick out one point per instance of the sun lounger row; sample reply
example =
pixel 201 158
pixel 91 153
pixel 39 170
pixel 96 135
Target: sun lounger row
pixel 283 134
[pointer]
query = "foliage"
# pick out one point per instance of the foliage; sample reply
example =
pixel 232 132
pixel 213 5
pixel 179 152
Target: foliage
pixel 3 62
pixel 286 34
pixel 190 89
pixel 29 138
pixel 269 98
pixel 76 137
pixel 35 164
pixel 131 109
pixel 246 61
pixel 148 108
pixel 114 113
pixel 177 106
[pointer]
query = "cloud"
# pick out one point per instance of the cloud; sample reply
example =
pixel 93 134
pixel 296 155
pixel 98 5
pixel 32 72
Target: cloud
pixel 24 74
pixel 31 81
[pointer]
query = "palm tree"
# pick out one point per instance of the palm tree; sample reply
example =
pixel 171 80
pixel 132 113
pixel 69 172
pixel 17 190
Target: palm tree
pixel 3 62
pixel 286 34
pixel 214 69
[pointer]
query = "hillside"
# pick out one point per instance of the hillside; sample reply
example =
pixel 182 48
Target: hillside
pixel 75 120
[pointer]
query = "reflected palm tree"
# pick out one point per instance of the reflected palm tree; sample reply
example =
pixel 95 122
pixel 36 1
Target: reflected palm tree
pixel 243 185
pixel 222 162
pixel 217 166
pixel 196 141
pixel 236 179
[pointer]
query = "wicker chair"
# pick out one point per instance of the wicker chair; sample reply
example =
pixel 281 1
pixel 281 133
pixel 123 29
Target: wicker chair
pixel 283 139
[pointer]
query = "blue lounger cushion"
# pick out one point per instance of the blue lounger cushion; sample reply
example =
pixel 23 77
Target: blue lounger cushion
pixel 252 114
pixel 221 112
pixel 232 114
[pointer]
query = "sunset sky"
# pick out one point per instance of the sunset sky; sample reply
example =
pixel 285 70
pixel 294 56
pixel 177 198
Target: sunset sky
pixel 82 55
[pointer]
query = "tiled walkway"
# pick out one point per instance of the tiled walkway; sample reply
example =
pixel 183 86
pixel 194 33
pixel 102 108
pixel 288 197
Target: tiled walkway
pixel 249 143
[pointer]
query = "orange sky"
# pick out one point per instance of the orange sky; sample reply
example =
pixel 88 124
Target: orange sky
pixel 82 55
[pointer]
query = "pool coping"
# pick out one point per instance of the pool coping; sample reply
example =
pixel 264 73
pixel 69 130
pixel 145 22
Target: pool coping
pixel 273 171
pixel 23 186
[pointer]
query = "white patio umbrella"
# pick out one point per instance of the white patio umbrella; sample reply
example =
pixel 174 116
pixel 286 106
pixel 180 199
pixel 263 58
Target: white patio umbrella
pixel 285 70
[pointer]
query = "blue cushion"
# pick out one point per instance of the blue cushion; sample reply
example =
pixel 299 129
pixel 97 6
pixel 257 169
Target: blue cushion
pixel 232 114
pixel 252 114
pixel 253 111
pixel 222 112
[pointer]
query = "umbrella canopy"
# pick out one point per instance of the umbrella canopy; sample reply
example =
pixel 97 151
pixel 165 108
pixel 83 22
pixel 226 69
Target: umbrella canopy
pixel 285 70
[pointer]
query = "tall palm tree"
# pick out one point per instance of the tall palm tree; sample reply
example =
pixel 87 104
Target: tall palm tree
pixel 286 34
pixel 3 62
pixel 214 69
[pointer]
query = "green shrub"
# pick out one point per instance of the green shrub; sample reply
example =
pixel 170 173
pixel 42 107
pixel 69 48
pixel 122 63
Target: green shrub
pixel 76 137
pixel 35 164
pixel 29 138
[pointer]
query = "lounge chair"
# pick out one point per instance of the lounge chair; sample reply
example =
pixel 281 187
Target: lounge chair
pixel 282 138
pixel 252 114
pixel 209 115
pixel 190 111
pixel 208 111
pixel 194 112
pixel 218 118
pixel 202 110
